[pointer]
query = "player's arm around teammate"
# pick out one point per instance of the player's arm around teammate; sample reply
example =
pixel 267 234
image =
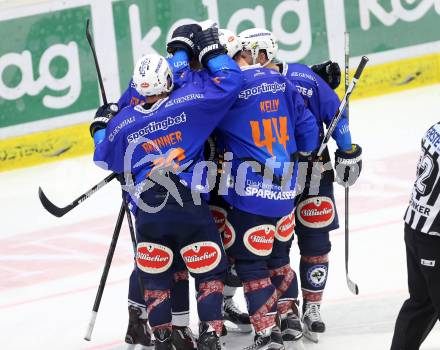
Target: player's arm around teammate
pixel 163 135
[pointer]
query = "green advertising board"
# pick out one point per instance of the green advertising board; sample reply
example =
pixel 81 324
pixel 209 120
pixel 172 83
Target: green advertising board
pixel 300 26
pixel 383 25
pixel 45 67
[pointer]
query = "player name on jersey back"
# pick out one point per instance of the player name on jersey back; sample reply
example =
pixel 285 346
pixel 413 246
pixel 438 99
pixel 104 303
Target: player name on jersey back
pixel 423 213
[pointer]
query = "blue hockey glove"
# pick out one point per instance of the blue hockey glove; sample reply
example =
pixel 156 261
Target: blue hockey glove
pixel 207 45
pixel 348 165
pixel 103 116
pixel 330 72
pixel 183 39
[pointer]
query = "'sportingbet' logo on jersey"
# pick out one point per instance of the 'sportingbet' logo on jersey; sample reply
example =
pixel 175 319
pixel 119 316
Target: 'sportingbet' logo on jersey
pixel 263 88
pixel 157 126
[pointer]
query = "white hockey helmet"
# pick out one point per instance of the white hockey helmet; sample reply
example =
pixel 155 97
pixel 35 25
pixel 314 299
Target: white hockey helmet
pixel 257 39
pixel 230 42
pixel 152 75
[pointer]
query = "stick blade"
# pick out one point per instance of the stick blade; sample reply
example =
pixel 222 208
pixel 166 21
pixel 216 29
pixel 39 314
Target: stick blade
pixel 49 206
pixel 353 287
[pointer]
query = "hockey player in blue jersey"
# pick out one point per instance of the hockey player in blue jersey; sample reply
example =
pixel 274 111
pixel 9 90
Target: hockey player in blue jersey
pixel 137 331
pixel 316 213
pixel 261 136
pixel 160 143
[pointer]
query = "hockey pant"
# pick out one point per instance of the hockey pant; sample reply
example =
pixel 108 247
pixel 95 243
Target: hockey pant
pixel 315 217
pixel 172 240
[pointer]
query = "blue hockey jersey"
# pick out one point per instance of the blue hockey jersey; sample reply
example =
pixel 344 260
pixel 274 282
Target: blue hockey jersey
pixel 320 99
pixel 174 129
pixel 266 127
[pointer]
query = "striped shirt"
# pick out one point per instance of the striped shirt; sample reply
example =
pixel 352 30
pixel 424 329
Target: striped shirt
pixel 423 213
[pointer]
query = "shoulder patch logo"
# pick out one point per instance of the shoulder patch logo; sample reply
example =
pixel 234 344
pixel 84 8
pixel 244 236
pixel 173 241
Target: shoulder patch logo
pixel 201 257
pixel 259 239
pixel 153 258
pixel 316 212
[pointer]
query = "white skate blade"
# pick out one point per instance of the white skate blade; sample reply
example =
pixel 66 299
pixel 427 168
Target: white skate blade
pixel 139 347
pixel 238 328
pixel 312 336
pixel 294 345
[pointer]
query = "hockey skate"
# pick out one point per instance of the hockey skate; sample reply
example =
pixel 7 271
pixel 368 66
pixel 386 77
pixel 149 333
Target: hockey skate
pixel 138 331
pixel 208 338
pixel 269 340
pixel 291 330
pixel 183 338
pixel 313 324
pixel 241 323
pixel 163 340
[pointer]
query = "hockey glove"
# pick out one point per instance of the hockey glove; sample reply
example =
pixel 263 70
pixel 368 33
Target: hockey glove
pixel 348 165
pixel 183 39
pixel 207 45
pixel 103 116
pixel 330 72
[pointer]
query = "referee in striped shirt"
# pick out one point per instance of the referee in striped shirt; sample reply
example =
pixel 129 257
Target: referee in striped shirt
pixel 422 239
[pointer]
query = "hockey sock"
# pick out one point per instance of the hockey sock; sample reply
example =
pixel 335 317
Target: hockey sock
pixel 285 281
pixel 158 308
pixel 314 271
pixel 180 299
pixel 210 302
pixel 135 294
pixel 261 297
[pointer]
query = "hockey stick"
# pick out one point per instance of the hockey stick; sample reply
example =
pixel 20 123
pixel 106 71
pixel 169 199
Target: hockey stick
pixel 353 287
pixel 337 115
pixel 134 243
pixel 61 211
pixel 104 275
pixel 342 105
pixel 95 58
pixel 47 204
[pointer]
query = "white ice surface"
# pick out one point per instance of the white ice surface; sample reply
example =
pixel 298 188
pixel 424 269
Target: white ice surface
pixel 50 268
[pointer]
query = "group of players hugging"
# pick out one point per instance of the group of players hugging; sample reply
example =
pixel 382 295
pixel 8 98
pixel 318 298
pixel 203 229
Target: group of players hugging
pixel 217 145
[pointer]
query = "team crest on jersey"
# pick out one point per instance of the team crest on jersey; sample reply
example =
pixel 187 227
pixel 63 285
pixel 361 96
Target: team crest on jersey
pixel 316 212
pixel 259 239
pixel 228 235
pixel 201 257
pixel 153 258
pixel 285 228
pixel 219 216
pixel 317 275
